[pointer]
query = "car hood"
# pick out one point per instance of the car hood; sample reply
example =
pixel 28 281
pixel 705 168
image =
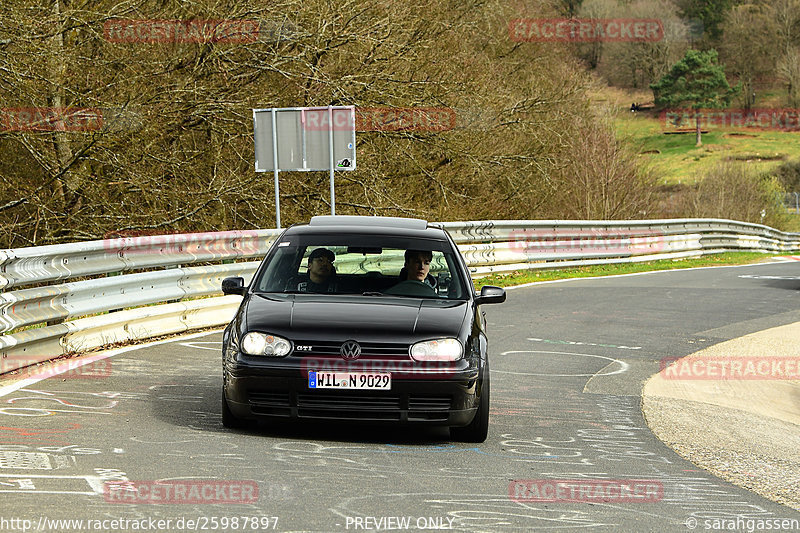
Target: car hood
pixel 342 317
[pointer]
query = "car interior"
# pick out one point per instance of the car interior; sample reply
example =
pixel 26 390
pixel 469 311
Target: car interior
pixel 362 270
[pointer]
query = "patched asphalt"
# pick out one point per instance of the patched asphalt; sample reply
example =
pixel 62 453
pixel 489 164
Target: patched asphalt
pixel 569 361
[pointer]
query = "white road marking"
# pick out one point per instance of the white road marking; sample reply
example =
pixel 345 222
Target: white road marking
pixel 579 343
pixel 85 360
pixel 623 365
pixel 217 345
pixel 753 276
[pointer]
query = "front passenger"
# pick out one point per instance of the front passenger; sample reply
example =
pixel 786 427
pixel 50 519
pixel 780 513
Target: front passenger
pixel 321 272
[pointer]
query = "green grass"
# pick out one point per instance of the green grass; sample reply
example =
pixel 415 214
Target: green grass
pixel 679 161
pixel 530 276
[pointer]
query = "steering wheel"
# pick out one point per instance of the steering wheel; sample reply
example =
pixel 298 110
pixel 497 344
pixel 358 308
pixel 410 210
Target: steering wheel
pixel 411 287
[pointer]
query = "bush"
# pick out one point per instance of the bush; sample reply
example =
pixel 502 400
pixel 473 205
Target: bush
pixel 788 175
pixel 602 178
pixel 731 190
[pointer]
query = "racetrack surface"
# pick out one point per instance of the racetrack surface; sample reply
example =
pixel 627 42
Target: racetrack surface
pixel 568 363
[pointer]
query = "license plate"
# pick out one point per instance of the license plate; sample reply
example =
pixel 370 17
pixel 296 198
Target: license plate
pixel 349 380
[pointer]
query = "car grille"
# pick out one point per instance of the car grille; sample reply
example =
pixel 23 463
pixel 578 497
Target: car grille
pixel 270 403
pixel 331 405
pixel 345 405
pixel 368 349
pixel 428 408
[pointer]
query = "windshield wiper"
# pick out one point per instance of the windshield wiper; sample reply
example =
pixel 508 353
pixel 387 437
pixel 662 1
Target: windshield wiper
pixel 372 293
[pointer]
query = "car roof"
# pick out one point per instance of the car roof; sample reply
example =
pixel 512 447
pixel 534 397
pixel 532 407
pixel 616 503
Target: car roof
pixel 407 227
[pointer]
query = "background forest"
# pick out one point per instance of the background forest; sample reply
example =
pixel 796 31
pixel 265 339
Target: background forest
pixel 173 151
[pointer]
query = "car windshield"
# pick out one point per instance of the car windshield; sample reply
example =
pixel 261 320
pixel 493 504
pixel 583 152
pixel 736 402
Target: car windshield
pixel 367 265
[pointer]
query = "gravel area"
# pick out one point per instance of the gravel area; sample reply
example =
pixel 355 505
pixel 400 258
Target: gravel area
pixel 746 431
pixel 755 452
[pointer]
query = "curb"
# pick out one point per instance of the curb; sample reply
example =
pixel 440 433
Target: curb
pixel 746 431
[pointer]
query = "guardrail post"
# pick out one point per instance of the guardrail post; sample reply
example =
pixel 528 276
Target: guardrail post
pixel 108 275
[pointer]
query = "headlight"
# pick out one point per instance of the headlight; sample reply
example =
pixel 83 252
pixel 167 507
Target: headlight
pixel 263 344
pixel 438 350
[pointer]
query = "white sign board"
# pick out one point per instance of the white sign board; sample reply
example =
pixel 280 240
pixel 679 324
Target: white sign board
pixel 302 137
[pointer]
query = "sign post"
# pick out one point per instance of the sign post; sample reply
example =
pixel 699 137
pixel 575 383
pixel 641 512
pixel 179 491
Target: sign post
pixel 275 168
pixel 304 139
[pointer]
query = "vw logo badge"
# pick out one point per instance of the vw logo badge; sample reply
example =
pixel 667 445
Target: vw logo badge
pixel 350 350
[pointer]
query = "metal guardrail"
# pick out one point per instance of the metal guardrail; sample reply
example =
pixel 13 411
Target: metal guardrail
pixel 59 302
pixel 25 266
pixel 488 246
pixel 502 246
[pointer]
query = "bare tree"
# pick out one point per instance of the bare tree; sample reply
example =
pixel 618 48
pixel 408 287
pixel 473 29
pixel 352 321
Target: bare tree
pixel 747 49
pixel 637 64
pixel 603 178
pixel 786 17
pixel 596 9
pixel 789 72
pixel 174 150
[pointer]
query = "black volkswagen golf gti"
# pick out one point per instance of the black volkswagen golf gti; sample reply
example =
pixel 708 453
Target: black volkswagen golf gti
pixel 360 318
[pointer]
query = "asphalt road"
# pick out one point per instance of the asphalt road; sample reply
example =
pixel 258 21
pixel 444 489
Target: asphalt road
pixel 568 362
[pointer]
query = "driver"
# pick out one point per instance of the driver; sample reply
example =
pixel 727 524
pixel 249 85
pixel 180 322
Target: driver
pixel 417 265
pixel 414 279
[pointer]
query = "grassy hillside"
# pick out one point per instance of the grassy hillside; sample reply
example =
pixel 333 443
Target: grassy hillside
pixel 678 160
pixel 675 157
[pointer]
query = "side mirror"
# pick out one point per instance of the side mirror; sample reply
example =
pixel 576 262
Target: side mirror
pixel 234 286
pixel 491 295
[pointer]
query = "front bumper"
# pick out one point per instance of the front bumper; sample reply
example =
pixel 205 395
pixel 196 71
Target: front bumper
pixel 447 399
